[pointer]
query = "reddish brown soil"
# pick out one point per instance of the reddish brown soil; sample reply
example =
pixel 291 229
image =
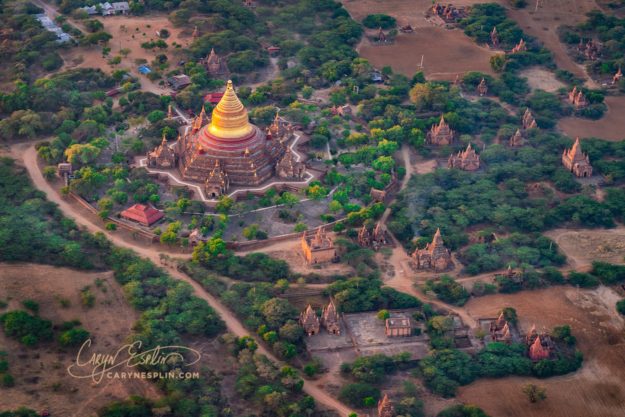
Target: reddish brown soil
pixel 41 378
pixel 610 127
pixel 596 390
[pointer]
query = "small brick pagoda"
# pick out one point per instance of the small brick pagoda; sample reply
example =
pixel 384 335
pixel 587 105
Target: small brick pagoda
pixel 528 120
pixel 330 319
pixel 440 134
pixel 317 247
pixel 500 330
pixel 576 161
pixel 385 407
pixel 540 345
pixel 516 140
pixel 577 98
pixel 309 321
pixel 467 160
pixel 372 237
pixel 482 88
pixel 435 255
pixel 215 65
pixel 519 47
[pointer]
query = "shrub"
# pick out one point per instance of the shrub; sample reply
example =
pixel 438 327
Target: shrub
pixel 374 21
pixel 620 306
pixel 582 279
pixel 73 337
pixel 356 393
pixel 30 330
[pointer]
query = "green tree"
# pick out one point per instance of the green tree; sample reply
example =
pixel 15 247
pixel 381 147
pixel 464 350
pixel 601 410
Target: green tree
pixel 534 393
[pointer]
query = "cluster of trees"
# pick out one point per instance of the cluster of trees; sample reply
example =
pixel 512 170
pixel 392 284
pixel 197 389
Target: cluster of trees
pixel 606 29
pixel 448 290
pixel 29 329
pixel 517 249
pixel 375 368
pixel 6 379
pixel 57 105
pixel 480 23
pixel 272 318
pixel 447 369
pixel 30 49
pixel 275 391
pixel 374 21
pixel 33 229
pixel 498 199
pixel 367 294
pixel 214 256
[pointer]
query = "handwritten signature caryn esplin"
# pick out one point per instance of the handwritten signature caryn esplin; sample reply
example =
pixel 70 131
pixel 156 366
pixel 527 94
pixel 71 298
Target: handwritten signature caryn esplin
pixel 97 365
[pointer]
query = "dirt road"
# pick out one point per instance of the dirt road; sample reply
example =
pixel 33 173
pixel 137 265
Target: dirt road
pixel 28 154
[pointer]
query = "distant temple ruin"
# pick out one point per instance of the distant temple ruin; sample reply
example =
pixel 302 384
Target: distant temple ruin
pixel 500 330
pixel 578 99
pixel 330 319
pixel 385 407
pixel 482 88
pixel 435 255
pixel 317 247
pixel 374 238
pixel 397 327
pixel 215 65
pixel 519 47
pixel 309 321
pixel 440 134
pixel 467 160
pixel 576 161
pixel 516 140
pixel 528 120
pixel 540 345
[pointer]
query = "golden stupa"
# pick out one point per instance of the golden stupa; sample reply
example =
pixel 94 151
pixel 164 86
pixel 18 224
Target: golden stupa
pixel 230 119
pixel 229 146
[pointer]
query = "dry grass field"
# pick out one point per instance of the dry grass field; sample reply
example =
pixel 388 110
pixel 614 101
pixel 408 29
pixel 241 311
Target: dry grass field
pixel 610 127
pixel 581 247
pixel 128 32
pixel 596 390
pixel 41 378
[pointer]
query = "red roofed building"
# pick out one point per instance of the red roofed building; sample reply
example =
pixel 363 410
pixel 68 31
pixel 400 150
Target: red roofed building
pixel 213 98
pixel 143 214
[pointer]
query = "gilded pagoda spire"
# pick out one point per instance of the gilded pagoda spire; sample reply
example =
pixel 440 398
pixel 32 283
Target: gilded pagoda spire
pixel 230 119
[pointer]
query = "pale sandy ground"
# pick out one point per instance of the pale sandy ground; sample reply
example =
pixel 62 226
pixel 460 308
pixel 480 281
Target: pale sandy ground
pixel 35 370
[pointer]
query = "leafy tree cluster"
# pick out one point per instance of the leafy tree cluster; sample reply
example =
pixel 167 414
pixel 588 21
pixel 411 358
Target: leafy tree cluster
pixel 464 410
pixel 33 229
pixel 58 104
pixel 448 290
pixel 367 294
pixel 28 329
pixel 480 23
pixel 447 369
pixel 274 391
pixel 375 368
pixel 30 49
pixel 517 249
pixel 374 21
pixel 606 29
pixel 214 255
pixel 6 379
pixel 273 318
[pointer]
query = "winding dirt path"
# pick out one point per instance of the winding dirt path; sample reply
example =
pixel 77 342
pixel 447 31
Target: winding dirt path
pixel 26 152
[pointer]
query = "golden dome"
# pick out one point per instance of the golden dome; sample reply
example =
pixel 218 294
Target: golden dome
pixel 230 119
